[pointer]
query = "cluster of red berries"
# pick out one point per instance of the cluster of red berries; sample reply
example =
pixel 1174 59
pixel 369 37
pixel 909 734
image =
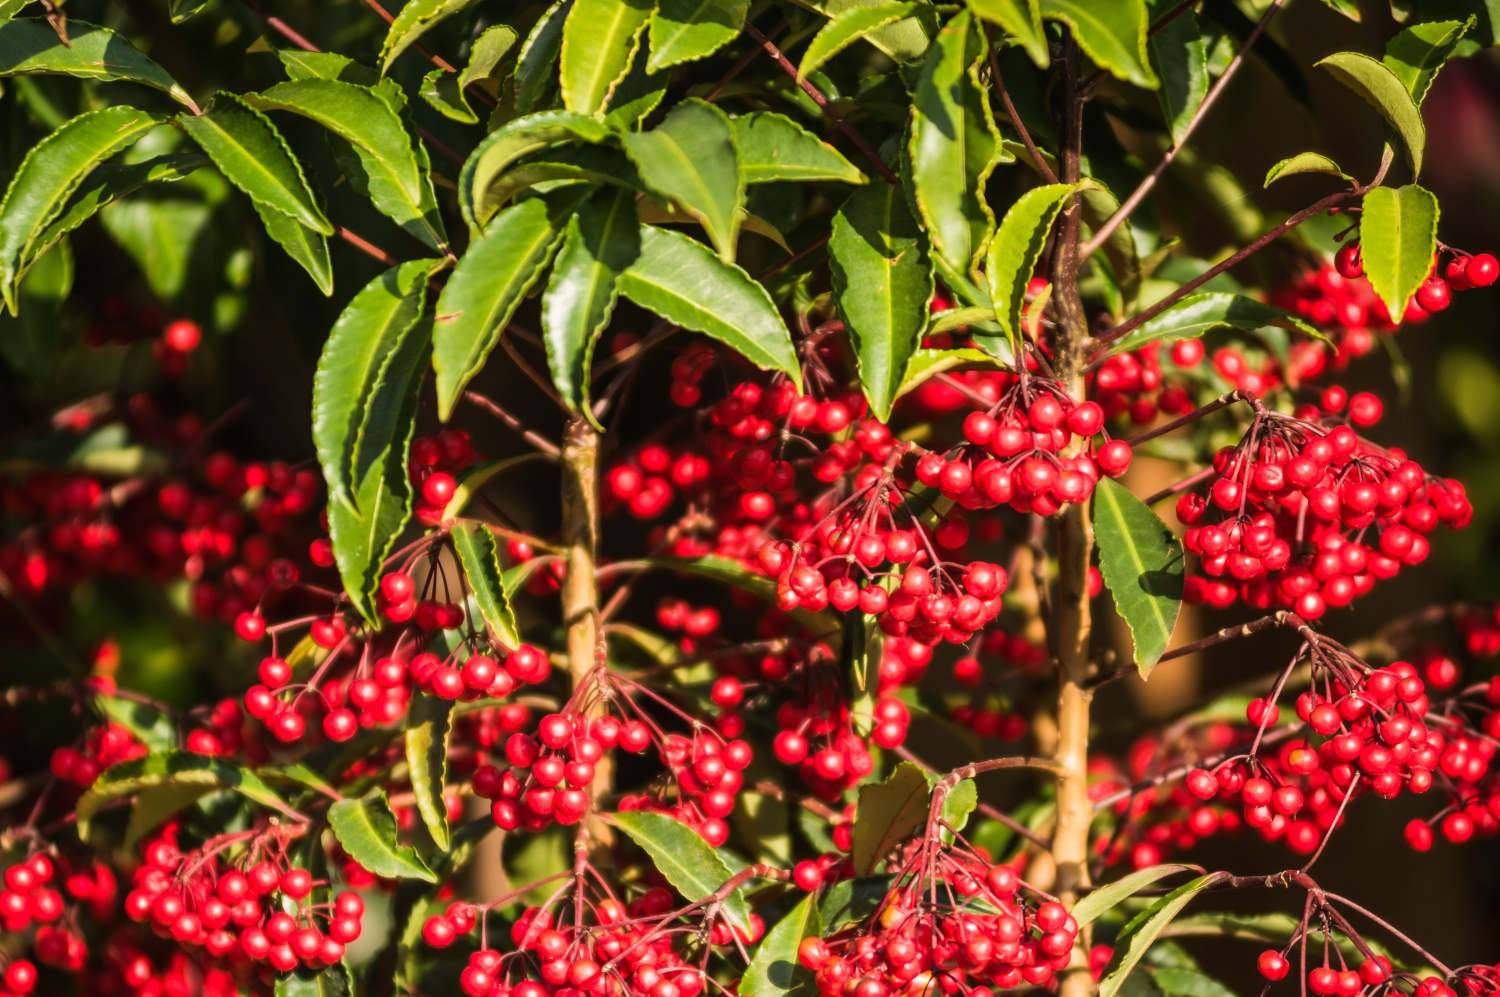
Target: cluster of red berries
pixel 29 896
pixel 1287 517
pixel 434 465
pixel 1134 383
pixel 102 745
pixel 261 908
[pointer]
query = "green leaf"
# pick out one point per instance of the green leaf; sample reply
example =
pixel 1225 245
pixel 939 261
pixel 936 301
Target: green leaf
pixel 773 147
pixel 1416 54
pixel 366 829
pixel 850 901
pixel 1107 898
pixel 847 27
pixel 308 248
pixel 34 341
pixel 151 726
pixel 1348 8
pixel 395 177
pixel 1142 930
pixel 445 92
pixel 416 18
pixel 774 969
pixel 684 30
pixel 181 10
pixel 30 45
pixel 1304 162
pixel 599 40
pixel 602 240
pixel 953 145
pixel 1180 55
pixel 882 284
pixel 154 805
pixel 1397 238
pixel 690 160
pixel 1142 565
pixel 371 328
pixel 536 63
pixel 480 557
pixel 1112 34
pixel 683 282
pixel 1382 90
pixel 300 65
pixel 927 364
pixel 173 768
pixel 692 867
pixel 958 806
pixel 331 981
pixel 253 156
pixel 509 143
pixel 483 292
pixel 1021 19
pixel 1016 249
pixel 1198 313
pixel 52 170
pixel 365 521
pixel 887 813
pixel 426 747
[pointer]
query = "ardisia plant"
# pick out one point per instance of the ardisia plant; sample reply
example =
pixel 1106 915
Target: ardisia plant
pixel 720 460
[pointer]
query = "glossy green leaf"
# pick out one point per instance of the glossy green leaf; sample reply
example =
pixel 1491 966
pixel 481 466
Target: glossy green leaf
pixel 929 363
pixel 536 62
pixel 773 147
pixel 1180 55
pixel 509 143
pixel 1142 565
pixel 887 814
pixel 369 330
pixel 690 160
pixel 1142 931
pixel 694 869
pixel 1383 90
pixel 602 240
pixel 1416 54
pixel 173 768
pixel 953 145
pixel 445 92
pixel 330 981
pixel 30 45
pixel 882 284
pixel 1304 162
pixel 1106 898
pixel 300 65
pixel 599 41
pixel 847 27
pixel 1113 34
pixel 253 156
pixel 683 282
pixel 308 248
pixel 53 169
pixel 1397 239
pixel 1017 248
pixel 1021 20
pixel 479 555
pixel 684 30
pixel 1348 8
pixel 150 725
pixel 774 970
pixel 483 292
pixel 851 900
pixel 366 829
pixel 415 19
pixel 395 176
pixel 426 749
pixel 1198 313
pixel 958 807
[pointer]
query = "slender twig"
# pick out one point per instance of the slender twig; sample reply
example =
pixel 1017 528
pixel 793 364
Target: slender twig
pixel 538 442
pixel 1037 159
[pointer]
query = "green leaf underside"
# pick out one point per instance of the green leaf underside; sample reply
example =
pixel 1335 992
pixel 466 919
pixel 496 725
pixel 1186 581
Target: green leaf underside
pixel 599 40
pixel 690 160
pixel 1142 565
pixel 685 30
pixel 886 814
pixel 1112 34
pixel 253 156
pixel 1304 162
pixel 1416 54
pixel 366 829
pixel 602 240
pixel 1138 935
pixel 683 282
pixel 847 27
pixel 774 970
pixel 480 556
pixel 30 45
pixel 954 145
pixel 414 19
pixel 1397 238
pixel 509 143
pixel 1373 81
pixel 693 868
pixel 1016 249
pixel 308 248
pixel 1106 898
pixel 882 284
pixel 426 748
pixel 53 169
pixel 1198 313
pixel 396 178
pixel 773 147
pixel 484 291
